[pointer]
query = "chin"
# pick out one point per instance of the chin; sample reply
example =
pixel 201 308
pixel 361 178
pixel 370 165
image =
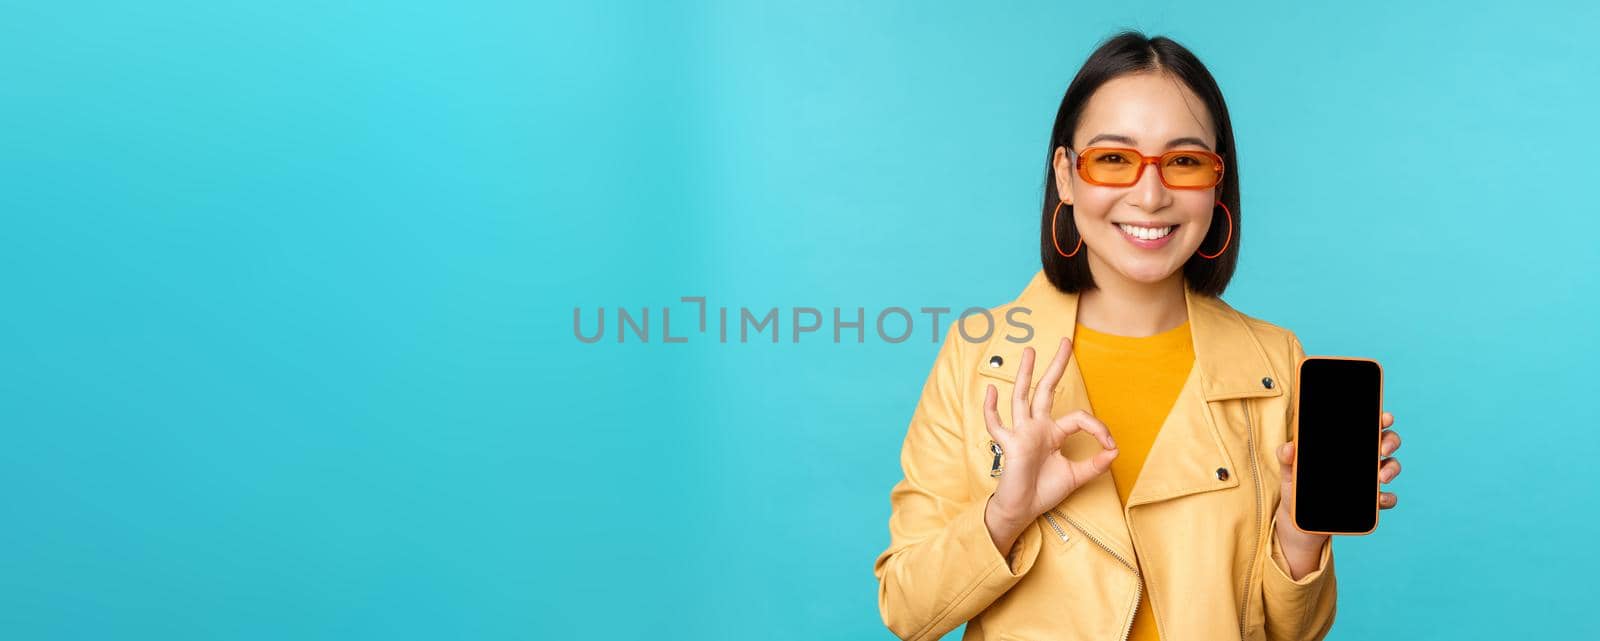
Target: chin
pixel 1148 273
pixel 1151 267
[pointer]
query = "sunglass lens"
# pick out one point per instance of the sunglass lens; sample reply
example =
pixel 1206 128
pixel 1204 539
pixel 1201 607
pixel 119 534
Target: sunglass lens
pixel 1110 166
pixel 1183 169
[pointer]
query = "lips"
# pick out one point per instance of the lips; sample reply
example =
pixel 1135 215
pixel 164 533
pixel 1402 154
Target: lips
pixel 1146 233
pixel 1147 237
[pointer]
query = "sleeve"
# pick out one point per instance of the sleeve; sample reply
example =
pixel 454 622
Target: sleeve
pixel 941 567
pixel 1301 609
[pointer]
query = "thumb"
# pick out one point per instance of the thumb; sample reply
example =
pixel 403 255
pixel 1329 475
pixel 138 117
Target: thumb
pixel 1094 466
pixel 1286 474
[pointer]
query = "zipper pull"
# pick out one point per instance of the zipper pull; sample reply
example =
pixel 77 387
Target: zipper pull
pixel 994 470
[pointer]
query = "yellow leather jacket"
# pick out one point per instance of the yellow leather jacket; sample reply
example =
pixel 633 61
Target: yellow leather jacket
pixel 1201 515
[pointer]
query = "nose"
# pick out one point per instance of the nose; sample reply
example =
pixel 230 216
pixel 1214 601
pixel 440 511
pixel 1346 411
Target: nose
pixel 1149 194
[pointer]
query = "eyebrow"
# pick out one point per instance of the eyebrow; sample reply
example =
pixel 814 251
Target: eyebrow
pixel 1186 140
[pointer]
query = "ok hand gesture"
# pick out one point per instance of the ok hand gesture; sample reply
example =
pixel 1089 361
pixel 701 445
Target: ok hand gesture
pixel 1037 475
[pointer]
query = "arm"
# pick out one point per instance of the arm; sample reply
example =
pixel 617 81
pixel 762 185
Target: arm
pixel 943 566
pixel 1300 588
pixel 1303 608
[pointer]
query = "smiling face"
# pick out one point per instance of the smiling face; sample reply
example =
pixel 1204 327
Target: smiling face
pixel 1145 232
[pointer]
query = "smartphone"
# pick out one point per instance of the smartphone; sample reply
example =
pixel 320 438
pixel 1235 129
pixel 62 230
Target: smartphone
pixel 1338 436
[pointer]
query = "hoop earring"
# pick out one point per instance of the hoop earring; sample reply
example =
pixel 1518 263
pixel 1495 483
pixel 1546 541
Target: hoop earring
pixel 1056 242
pixel 1226 240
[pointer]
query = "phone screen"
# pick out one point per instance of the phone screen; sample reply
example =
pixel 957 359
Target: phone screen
pixel 1336 474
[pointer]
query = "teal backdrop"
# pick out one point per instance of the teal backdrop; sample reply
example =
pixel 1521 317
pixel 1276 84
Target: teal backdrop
pixel 287 346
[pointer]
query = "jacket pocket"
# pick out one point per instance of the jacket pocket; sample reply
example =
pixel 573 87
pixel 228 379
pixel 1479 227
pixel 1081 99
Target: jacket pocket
pixel 999 370
pixel 996 371
pixel 1004 382
pixel 1059 534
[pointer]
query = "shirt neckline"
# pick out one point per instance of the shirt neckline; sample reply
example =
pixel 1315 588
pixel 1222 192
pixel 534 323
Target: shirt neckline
pixel 1172 339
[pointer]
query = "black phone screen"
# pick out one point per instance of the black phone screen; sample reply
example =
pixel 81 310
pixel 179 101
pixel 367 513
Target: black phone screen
pixel 1336 474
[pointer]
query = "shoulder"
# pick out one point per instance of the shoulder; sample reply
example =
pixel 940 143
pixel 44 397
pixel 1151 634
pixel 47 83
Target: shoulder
pixel 1269 332
pixel 972 335
pixel 1280 344
pixel 972 329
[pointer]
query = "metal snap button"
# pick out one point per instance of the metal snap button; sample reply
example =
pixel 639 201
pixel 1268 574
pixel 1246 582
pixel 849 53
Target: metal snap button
pixel 1222 474
pixel 996 361
pixel 1267 382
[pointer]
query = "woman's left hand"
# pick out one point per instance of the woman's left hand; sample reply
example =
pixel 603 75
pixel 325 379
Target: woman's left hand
pixel 1304 550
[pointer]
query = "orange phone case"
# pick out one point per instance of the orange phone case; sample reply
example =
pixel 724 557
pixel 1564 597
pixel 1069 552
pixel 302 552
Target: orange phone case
pixel 1294 487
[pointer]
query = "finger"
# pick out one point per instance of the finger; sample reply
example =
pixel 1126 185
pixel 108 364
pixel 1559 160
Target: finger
pixel 1388 500
pixel 1391 442
pixel 991 415
pixel 1046 394
pixel 1286 466
pixel 1076 420
pixel 1092 466
pixel 1389 469
pixel 1019 390
pixel 1386 420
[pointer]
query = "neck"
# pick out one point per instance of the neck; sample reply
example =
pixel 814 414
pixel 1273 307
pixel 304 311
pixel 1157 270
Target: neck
pixel 1126 307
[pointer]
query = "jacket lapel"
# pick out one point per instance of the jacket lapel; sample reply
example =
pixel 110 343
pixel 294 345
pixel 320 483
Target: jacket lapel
pixel 1190 448
pixel 1229 364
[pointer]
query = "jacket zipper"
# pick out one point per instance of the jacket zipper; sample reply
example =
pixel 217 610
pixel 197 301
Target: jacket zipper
pixel 1255 475
pixel 1138 585
pixel 1059 532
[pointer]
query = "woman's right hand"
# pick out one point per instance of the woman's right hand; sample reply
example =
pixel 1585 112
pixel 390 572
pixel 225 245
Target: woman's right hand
pixel 1037 476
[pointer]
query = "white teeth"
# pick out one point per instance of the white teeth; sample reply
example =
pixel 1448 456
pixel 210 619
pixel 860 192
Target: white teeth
pixel 1146 233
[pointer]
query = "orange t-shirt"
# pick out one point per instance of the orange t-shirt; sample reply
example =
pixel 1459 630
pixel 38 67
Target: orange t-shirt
pixel 1132 384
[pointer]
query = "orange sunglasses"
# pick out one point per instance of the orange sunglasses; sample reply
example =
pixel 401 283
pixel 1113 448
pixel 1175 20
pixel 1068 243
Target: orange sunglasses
pixel 1122 167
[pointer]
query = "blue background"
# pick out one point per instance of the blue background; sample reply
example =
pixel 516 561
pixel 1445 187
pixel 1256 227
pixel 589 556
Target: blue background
pixel 286 344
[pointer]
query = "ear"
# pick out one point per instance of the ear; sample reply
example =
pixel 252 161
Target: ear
pixel 1064 173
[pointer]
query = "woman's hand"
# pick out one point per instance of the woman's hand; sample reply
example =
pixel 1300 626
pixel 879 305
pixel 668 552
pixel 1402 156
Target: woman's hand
pixel 1302 550
pixel 1037 475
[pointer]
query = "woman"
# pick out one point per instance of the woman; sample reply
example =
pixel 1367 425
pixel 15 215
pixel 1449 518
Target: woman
pixel 1018 530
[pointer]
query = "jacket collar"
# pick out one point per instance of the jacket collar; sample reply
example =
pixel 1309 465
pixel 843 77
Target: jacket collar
pixel 1229 364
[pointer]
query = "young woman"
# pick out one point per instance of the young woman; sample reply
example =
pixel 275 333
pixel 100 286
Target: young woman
pixel 1133 489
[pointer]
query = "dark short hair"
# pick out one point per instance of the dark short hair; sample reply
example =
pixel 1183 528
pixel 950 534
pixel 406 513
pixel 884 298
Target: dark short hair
pixel 1126 53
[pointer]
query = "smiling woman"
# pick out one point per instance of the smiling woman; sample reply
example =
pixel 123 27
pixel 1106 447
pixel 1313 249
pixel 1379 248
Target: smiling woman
pixel 1017 529
pixel 1142 94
